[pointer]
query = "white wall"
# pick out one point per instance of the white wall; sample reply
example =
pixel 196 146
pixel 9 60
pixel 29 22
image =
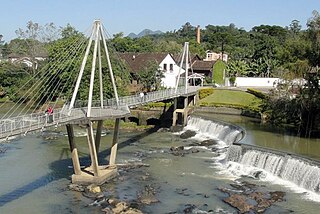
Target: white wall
pixel 169 79
pixel 256 82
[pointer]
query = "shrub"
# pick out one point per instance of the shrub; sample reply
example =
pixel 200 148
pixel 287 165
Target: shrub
pixel 256 93
pixel 205 92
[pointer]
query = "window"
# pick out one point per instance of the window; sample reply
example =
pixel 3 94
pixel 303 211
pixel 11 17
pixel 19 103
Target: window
pixel 165 67
pixel 171 67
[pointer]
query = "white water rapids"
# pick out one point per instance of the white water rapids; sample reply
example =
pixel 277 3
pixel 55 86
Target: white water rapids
pixel 299 174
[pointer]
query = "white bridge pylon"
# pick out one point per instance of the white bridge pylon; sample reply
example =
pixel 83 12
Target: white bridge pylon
pixel 97 36
pixel 94 173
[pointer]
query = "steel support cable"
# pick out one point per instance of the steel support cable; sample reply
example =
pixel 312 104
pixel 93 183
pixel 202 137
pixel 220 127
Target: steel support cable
pixel 121 65
pixel 67 81
pixel 32 89
pixel 51 83
pixel 52 92
pixel 73 84
pixel 25 85
pixel 70 75
pixel 11 111
pixel 57 85
pixel 40 81
pixel 193 80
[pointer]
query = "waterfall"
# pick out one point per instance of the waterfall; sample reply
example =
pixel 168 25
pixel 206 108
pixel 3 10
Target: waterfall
pixel 234 153
pixel 256 161
pixel 217 130
pixel 301 172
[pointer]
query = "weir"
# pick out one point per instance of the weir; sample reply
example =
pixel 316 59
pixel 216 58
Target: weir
pixel 302 171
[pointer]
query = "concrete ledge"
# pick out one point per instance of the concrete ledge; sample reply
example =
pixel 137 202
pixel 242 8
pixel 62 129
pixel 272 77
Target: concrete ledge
pixel 87 176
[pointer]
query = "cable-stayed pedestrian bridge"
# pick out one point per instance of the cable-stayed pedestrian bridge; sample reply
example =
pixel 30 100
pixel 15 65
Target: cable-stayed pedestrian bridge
pixel 108 109
pixel 57 81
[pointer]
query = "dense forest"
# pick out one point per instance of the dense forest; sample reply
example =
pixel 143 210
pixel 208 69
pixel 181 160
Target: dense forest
pixel 264 51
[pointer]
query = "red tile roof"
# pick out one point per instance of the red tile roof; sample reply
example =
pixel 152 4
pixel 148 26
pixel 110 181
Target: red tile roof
pixel 138 61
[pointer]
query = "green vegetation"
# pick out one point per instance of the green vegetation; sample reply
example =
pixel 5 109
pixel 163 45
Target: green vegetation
pixel 257 93
pixel 233 99
pixel 218 71
pixel 125 125
pixel 150 76
pixel 264 51
pixel 204 92
pixel 301 112
pixel 158 104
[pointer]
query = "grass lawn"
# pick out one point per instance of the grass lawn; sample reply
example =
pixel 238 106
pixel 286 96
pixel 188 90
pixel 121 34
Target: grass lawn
pixel 231 98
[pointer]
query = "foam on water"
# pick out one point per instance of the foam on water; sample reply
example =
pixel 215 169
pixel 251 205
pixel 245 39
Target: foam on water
pixel 209 129
pixel 292 172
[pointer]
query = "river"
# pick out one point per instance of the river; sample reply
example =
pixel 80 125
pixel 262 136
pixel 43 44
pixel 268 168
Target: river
pixel 36 169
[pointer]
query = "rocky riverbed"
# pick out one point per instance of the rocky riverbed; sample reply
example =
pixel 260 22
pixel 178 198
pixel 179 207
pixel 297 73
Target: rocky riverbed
pixel 243 196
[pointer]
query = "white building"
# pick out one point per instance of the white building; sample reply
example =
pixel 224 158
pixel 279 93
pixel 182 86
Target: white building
pixel 171 71
pixel 25 60
pixel 139 61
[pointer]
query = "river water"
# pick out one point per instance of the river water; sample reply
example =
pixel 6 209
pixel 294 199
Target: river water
pixel 35 170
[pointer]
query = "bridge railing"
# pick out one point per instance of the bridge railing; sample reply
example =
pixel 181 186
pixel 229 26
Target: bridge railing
pixel 24 123
pixel 35 121
pixel 135 100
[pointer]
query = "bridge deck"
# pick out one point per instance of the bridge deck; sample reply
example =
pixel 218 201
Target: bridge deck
pixel 78 114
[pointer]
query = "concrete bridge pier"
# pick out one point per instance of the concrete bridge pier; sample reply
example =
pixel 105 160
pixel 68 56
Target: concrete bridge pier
pixel 114 147
pixel 73 150
pixel 98 135
pixel 95 173
pixel 184 111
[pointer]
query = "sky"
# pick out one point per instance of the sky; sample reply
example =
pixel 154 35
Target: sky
pixel 166 15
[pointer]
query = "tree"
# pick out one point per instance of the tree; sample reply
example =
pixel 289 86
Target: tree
pixel 32 37
pixel 1 45
pixel 186 30
pixel 61 83
pixel 295 27
pixel 314 36
pixel 309 104
pixel 12 78
pixel 68 31
pixel 238 68
pixel 150 77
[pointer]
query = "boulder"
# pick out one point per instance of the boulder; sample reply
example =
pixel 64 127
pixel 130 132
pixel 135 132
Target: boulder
pixel 178 151
pixel 246 198
pixel 120 207
pixel 208 142
pixel 76 187
pixel 240 202
pixel 94 188
pixel 187 134
pixel 147 196
pixel 176 128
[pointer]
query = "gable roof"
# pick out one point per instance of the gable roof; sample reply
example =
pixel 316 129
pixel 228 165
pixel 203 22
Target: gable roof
pixel 203 65
pixel 178 57
pixel 138 61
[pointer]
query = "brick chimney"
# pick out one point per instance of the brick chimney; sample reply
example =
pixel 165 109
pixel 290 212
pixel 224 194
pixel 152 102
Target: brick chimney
pixel 198 34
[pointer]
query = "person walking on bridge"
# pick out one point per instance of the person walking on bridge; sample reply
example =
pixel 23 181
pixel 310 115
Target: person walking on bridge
pixel 141 96
pixel 50 114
